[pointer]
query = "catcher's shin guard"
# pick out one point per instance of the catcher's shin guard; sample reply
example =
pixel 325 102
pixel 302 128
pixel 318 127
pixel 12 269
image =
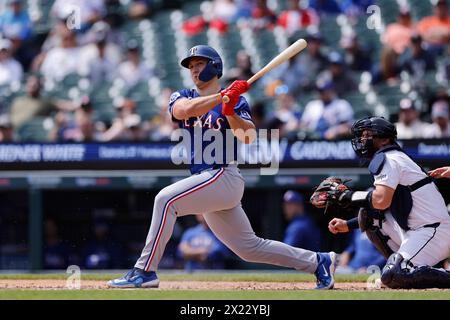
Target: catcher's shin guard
pixel 397 274
pixel 380 241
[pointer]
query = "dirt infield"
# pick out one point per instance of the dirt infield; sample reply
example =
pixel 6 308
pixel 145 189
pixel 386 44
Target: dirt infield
pixel 52 284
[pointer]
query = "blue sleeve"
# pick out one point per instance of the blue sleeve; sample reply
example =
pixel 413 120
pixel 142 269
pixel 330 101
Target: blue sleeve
pixel 218 251
pixel 187 235
pixel 242 109
pixel 380 261
pixel 293 235
pixel 351 247
pixel 174 97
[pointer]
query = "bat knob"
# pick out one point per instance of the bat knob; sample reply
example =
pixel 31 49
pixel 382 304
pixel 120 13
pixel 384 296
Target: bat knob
pixel 225 99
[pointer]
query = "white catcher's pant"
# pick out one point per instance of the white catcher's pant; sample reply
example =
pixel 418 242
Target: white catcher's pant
pixel 217 195
pixel 422 246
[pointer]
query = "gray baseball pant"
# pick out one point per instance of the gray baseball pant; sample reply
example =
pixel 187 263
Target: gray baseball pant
pixel 217 195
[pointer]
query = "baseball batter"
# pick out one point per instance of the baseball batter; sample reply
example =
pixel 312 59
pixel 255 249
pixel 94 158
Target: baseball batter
pixel 215 189
pixel 405 215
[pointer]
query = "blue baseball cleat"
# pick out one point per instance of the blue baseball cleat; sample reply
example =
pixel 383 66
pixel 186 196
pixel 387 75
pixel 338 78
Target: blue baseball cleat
pixel 325 270
pixel 136 278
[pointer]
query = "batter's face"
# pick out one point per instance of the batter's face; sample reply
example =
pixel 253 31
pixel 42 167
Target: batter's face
pixel 196 65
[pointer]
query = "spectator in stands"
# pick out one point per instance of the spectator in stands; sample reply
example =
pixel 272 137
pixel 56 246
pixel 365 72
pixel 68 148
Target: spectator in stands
pixel 161 126
pixel 139 9
pixel 6 129
pixel 200 249
pixel 32 104
pixel 15 22
pixel 338 73
pixel 356 56
pixel 56 253
pixel 387 70
pixel 224 10
pixel 243 69
pixel 327 117
pixel 127 126
pixel 302 231
pixel 87 12
pixel 286 110
pixel 262 16
pixel 409 125
pixel 355 8
pixel 300 73
pixel 325 7
pixel 417 60
pixel 444 69
pixel 10 70
pixel 440 114
pixel 398 34
pixel 133 69
pixel 296 18
pixel 15 25
pixel 62 60
pixel 435 29
pixel 76 127
pixel 259 115
pixel 100 59
pixel 360 255
pixel 102 252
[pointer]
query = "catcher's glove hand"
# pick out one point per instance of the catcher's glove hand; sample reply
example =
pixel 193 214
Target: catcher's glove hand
pixel 331 192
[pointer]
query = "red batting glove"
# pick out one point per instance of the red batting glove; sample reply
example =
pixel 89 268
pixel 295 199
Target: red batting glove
pixel 228 108
pixel 240 86
pixel 233 92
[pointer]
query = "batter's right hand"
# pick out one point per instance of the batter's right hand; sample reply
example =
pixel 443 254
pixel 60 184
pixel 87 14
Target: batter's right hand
pixel 238 87
pixel 338 226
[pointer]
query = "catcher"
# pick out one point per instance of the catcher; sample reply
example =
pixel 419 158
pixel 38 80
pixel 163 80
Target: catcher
pixel 404 215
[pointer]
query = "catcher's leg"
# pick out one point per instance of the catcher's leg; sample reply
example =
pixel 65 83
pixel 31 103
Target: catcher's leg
pixel 421 249
pixel 383 232
pixel 372 227
pixel 401 274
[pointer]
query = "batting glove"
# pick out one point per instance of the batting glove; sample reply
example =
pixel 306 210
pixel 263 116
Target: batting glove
pixel 233 93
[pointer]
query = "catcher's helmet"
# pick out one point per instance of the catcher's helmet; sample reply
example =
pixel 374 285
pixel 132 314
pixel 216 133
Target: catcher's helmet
pixel 214 66
pixel 380 128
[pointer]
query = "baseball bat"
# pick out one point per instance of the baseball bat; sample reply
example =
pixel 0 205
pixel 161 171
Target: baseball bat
pixel 283 56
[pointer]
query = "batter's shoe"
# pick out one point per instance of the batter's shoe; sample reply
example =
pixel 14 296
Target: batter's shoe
pixel 136 278
pixel 325 270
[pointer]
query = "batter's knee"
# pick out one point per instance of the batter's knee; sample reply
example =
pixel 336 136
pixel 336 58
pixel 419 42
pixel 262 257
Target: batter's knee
pixel 162 198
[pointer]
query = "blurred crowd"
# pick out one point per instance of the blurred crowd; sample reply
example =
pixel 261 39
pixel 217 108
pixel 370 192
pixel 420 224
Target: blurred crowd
pixel 310 96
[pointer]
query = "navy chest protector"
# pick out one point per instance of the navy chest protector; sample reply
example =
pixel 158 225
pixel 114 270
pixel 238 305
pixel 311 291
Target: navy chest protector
pixel 402 201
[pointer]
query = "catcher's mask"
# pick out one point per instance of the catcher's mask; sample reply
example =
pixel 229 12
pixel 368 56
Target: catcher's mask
pixel 379 127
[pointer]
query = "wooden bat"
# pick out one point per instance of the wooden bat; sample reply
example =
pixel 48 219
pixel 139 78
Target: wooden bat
pixel 283 56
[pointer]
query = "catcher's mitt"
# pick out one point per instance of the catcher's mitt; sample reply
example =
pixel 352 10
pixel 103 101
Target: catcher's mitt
pixel 327 192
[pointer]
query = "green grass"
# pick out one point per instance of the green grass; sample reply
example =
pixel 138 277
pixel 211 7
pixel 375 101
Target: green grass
pixel 141 294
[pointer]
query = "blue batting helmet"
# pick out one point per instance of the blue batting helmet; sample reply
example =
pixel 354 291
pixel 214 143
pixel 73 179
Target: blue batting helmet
pixel 214 66
pixel 379 126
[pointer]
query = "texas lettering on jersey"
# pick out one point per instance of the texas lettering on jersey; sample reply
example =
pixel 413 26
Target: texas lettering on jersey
pixel 213 120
